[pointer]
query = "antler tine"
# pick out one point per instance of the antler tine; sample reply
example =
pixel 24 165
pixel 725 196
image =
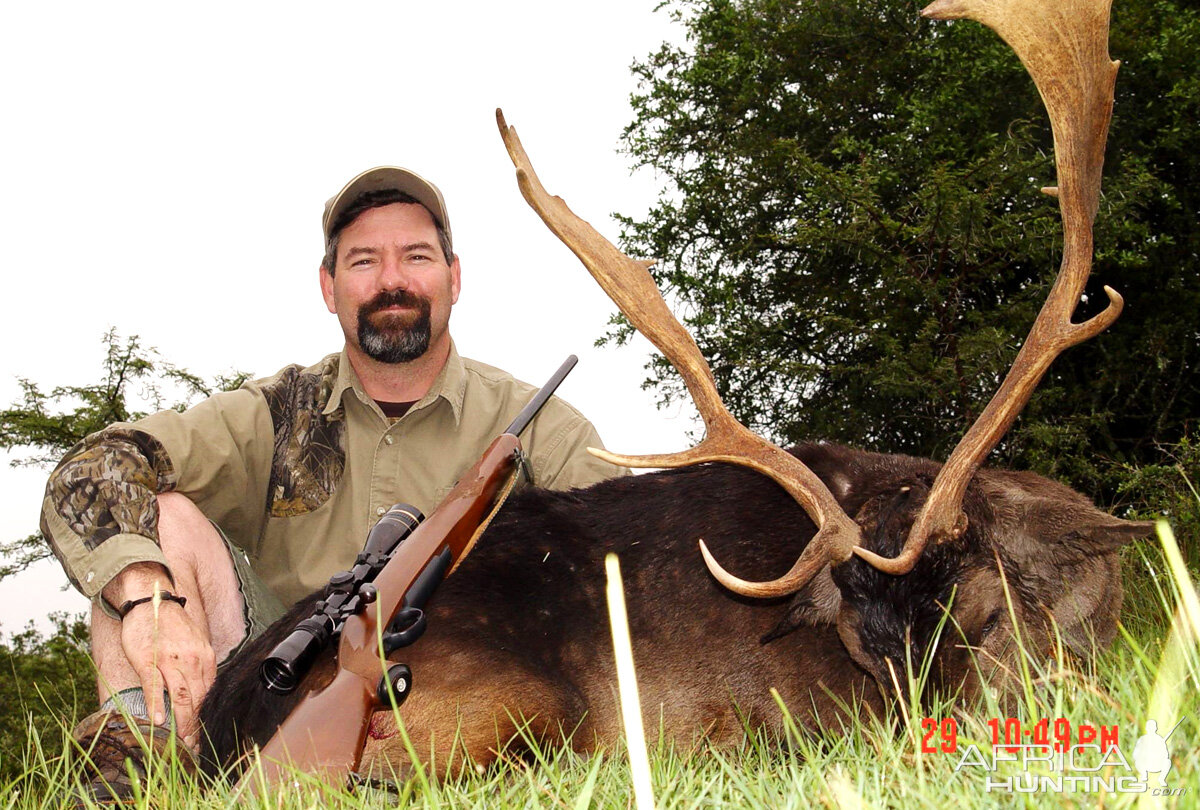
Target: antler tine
pixel 1064 46
pixel 629 284
pixel 626 281
pixel 804 569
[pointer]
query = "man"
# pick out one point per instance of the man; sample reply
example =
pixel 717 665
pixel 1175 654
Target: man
pixel 252 498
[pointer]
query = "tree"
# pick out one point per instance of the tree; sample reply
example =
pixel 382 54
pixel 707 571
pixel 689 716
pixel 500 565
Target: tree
pixel 39 425
pixel 852 228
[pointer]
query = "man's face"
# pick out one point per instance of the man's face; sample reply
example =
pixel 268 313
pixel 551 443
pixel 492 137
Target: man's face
pixel 392 289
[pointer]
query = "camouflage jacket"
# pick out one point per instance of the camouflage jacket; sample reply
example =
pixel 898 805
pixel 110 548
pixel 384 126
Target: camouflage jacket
pixel 296 468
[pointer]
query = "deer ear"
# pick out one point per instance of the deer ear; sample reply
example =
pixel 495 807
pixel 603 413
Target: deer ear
pixel 1062 551
pixel 1039 521
pixel 1082 585
pixel 1104 533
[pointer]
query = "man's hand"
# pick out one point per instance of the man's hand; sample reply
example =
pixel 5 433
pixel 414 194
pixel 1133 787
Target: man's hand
pixel 168 646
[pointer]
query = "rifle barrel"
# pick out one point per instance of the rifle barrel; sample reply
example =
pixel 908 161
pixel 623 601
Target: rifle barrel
pixel 539 399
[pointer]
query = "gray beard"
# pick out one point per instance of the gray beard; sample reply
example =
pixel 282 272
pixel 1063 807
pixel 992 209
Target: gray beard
pixel 394 344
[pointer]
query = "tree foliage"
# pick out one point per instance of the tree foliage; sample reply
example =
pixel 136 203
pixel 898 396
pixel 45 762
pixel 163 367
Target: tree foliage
pixel 42 426
pixel 44 682
pixel 851 226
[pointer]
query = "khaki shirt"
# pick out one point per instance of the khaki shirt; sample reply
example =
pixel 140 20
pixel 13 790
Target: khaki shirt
pixel 296 468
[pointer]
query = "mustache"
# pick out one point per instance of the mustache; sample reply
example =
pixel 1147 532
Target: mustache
pixel 395 298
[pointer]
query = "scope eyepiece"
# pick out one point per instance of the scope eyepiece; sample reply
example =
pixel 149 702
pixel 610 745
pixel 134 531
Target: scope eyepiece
pixel 284 668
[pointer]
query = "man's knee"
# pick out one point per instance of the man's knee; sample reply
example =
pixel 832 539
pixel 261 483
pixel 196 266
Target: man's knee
pixel 183 530
pixel 202 566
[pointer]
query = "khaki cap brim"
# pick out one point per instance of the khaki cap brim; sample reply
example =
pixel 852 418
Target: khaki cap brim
pixel 387 178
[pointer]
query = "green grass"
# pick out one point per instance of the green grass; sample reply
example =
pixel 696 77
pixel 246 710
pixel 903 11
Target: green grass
pixel 1153 669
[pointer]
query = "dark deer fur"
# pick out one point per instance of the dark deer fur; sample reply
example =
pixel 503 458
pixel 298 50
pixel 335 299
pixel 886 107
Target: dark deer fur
pixel 520 632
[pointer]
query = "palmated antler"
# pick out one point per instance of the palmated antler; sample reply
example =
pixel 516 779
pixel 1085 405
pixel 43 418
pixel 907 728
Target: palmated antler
pixel 628 283
pixel 1064 46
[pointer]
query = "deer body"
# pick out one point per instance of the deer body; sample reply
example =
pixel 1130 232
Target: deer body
pixel 519 632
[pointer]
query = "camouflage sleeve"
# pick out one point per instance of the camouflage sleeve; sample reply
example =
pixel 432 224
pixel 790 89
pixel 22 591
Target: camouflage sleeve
pixel 100 513
pixel 104 487
pixel 561 460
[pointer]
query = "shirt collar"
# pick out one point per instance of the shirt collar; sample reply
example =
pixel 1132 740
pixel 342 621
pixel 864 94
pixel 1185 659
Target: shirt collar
pixel 450 385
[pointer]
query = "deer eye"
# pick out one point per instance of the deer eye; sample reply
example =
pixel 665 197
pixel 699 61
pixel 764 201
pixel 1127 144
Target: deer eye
pixel 991 623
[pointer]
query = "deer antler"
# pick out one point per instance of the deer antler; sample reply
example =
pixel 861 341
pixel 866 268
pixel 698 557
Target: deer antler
pixel 628 283
pixel 1064 46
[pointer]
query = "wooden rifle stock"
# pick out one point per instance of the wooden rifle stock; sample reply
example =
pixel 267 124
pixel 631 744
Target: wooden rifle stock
pixel 326 732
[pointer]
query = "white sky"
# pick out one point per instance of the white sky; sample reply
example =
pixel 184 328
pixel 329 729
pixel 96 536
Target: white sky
pixel 166 166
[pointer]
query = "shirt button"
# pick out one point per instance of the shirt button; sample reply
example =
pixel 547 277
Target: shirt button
pixel 389 440
pixel 381 511
pixel 90 576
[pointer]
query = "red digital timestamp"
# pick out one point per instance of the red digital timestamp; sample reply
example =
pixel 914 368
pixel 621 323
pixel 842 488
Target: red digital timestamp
pixel 1060 734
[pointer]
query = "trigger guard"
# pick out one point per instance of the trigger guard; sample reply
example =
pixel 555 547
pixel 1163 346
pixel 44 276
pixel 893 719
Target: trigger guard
pixel 412 620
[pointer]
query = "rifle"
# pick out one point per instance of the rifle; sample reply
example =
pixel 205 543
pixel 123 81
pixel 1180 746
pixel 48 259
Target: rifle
pixel 404 560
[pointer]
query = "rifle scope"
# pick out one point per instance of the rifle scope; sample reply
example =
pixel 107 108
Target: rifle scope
pixel 285 667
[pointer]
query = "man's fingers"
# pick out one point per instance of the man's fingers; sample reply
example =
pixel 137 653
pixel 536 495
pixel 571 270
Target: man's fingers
pixel 152 691
pixel 204 673
pixel 182 703
pixel 209 672
pixel 185 682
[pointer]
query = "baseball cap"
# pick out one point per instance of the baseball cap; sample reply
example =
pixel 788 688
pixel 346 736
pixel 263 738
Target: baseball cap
pixel 389 178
